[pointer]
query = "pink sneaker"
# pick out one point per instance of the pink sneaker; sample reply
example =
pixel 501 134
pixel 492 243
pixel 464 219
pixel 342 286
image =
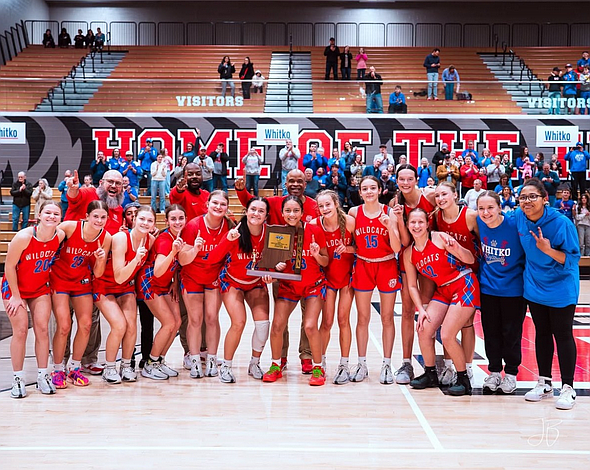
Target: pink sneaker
pixel 58 378
pixel 77 378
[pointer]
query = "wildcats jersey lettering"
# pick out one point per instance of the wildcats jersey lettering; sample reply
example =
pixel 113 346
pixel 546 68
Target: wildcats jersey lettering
pixel 339 269
pixel 372 238
pixel 437 264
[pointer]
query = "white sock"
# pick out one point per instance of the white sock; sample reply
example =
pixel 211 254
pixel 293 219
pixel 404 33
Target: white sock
pixel 41 372
pixel 255 360
pixel 227 362
pixel 323 358
pixel 344 361
pixel 469 365
pixel 363 360
pixel 72 365
pixel 407 359
pixel 110 365
pixel 195 357
pixel 316 364
pixel 448 363
pixel 386 361
pixel 58 367
pixel 19 373
pixel 277 362
pixel 211 357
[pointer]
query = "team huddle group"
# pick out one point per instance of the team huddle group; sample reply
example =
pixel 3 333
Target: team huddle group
pixel 447 260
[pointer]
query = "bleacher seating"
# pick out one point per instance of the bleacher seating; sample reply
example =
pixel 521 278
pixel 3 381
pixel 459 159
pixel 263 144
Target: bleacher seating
pixel 541 60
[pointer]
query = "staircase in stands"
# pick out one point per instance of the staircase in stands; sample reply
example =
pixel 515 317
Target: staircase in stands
pixel 284 96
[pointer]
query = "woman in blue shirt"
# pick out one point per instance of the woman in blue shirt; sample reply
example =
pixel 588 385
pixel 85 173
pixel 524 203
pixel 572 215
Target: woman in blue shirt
pixel 551 287
pixel 501 283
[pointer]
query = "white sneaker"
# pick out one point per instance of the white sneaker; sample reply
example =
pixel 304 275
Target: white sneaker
pixel 360 373
pixel 470 376
pixel 211 369
pixel 196 369
pixel 491 383
pixel 508 385
pixel 186 361
pixel 226 375
pixel 342 375
pixel 153 371
pixel 541 390
pixel 448 376
pixel 18 388
pixel 405 374
pixel 111 376
pixel 386 376
pixel 128 374
pixel 567 398
pixel 255 371
pixel 169 371
pixel 45 385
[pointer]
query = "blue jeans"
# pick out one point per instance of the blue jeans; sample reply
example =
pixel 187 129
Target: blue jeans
pixel 64 209
pixel 283 179
pixel 252 184
pixel 586 96
pixel 208 185
pixel 374 103
pixel 16 212
pixel 449 90
pixel 554 109
pixel 432 84
pixel 158 187
pixel 220 179
pixel 345 72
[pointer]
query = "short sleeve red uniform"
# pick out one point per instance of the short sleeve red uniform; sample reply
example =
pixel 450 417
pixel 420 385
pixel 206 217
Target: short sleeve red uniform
pixel 148 285
pixel 193 204
pixel 77 209
pixel 339 270
pixel 426 205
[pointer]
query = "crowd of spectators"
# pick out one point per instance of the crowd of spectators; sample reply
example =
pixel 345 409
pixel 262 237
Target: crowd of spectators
pixel 64 40
pixel 570 83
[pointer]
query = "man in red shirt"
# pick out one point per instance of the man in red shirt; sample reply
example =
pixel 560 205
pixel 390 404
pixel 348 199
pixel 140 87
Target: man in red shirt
pixel 188 192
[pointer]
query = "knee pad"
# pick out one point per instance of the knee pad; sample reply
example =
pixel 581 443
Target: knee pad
pixel 260 335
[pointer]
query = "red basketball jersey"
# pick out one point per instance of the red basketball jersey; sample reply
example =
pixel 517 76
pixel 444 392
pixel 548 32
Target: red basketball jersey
pixel 371 236
pixel 459 230
pixel 437 264
pixel 238 262
pixel 339 269
pixel 311 271
pixel 107 280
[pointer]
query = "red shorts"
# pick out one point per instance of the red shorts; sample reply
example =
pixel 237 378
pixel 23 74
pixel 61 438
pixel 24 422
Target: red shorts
pixel 71 288
pixel 383 275
pixel 225 282
pixel 146 288
pixel 294 291
pixel 463 291
pixel 190 286
pixel 101 289
pixel 339 280
pixel 7 293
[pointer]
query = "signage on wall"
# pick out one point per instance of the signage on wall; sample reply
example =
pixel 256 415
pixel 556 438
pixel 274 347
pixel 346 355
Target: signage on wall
pixel 552 136
pixel 276 134
pixel 218 101
pixel 13 133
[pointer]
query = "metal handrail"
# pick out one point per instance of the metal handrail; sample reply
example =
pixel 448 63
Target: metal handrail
pixel 522 68
pixel 504 49
pixel 73 77
pixel 92 54
pixel 108 45
pixel 50 96
pixel 495 40
pixel 83 66
pixel 512 57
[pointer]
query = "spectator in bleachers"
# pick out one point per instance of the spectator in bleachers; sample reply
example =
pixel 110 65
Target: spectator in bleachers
pixel 565 205
pixel 158 171
pixel 432 64
pixel 332 53
pixel 507 199
pixel 63 189
pixel 583 62
pixel 226 70
pixel 88 181
pixel 21 192
pixel 345 63
pixel 554 89
pixel 555 162
pixel 388 187
pixel 469 172
pixel 373 82
pixel 64 40
pixel 374 169
pixel 312 159
pixel 424 173
pixel 321 178
pixel 246 74
pixel 99 39
pixel 578 160
pixel 348 156
pixel 569 88
pixel 98 167
pixel 450 76
pixel 48 40
pixel 220 159
pixel 205 163
pixel 582 221
pixel 131 169
pixel 397 102
pixel 147 156
pixel 353 197
pixel 179 169
pixel 89 40
pixel 439 157
pixel 252 161
pixel 585 89
pixel 114 163
pixel 169 168
pixel 337 182
pixel 472 195
pixel 361 64
pixel 494 171
pixel 311 185
pixel 130 193
pixel 258 82
pixel 41 193
pixel 79 40
pixel 384 158
pixel 190 152
pixel 357 167
pixel 470 150
pixel 448 171
pixel 508 165
pixel 550 180
pixel 485 158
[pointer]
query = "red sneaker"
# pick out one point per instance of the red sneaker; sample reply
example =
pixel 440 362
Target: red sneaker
pixel 273 374
pixel 306 366
pixel 283 363
pixel 318 376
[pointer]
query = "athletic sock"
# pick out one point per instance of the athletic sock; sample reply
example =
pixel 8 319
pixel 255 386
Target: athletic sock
pixel 227 362
pixel 255 360
pixel 211 357
pixel 363 360
pixel 344 361
pixel 58 367
pixel 277 362
pixel 386 361
pixel 73 365
pixel 19 373
pixel 153 359
pixel 195 357
pixel 126 362
pixel 407 359
pixel 317 364
pixel 430 369
pixel 41 372
pixel 448 363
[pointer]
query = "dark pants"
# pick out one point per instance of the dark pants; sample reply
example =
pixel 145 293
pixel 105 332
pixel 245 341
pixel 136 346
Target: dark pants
pixel 345 72
pixel 501 319
pixel 252 184
pixel 555 323
pixel 219 180
pixel 246 90
pixel 16 214
pixel 578 182
pixel 360 73
pixel 146 319
pixel 331 66
pixel 208 185
pixel 398 108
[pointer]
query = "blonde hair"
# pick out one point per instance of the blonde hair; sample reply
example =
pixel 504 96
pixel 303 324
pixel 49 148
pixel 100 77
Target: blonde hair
pixel 340 213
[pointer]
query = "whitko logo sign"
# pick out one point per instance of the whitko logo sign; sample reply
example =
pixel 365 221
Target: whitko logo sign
pixel 276 134
pixel 557 136
pixel 13 133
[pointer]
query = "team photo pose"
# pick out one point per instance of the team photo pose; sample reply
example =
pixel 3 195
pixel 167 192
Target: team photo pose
pixel 410 197
pixel 377 241
pixel 82 255
pixel 201 264
pixel 338 228
pixel 114 293
pixel 441 258
pixel 503 307
pixel 26 284
pixel 157 286
pixel 311 290
pixel 244 244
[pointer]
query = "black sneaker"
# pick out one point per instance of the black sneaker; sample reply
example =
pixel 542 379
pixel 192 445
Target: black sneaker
pixel 426 380
pixel 461 387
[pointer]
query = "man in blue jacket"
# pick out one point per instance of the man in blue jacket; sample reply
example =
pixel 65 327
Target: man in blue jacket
pixel 570 89
pixel 147 156
pixel 577 159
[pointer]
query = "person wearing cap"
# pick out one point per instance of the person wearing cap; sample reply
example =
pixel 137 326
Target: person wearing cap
pixel 578 162
pixel 554 88
pixel 147 156
pixel 450 76
pixel 384 158
pixel 570 88
pixel 583 62
pixel 585 89
pixel 439 157
pixel 130 193
pixel 131 169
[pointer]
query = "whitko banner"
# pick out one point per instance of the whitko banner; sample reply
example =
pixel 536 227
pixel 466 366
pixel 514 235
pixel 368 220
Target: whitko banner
pixel 13 133
pixel 557 136
pixel 275 134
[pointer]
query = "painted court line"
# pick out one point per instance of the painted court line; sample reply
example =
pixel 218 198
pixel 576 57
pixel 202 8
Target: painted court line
pixel 415 408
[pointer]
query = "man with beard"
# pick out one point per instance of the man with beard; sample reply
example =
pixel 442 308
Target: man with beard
pixel 188 192
pixel 295 184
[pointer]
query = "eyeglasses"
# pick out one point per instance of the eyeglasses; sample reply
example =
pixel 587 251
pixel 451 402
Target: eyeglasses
pixel 118 184
pixel 530 197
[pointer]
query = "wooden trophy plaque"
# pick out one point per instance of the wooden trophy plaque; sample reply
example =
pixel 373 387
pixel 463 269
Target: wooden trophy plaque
pixel 279 243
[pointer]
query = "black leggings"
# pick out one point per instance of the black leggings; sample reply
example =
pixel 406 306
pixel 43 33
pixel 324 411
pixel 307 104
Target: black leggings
pixel 553 322
pixel 501 319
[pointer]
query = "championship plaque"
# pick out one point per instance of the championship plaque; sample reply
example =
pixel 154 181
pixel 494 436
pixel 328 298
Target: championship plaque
pixel 279 243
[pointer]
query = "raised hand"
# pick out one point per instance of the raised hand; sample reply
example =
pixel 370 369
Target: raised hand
pixel 99 253
pixel 239 184
pixel 234 234
pixel 73 180
pixel 141 250
pixel 181 184
pixel 543 244
pixel 178 244
pixel 384 219
pixel 314 248
pixel 340 247
pixel 199 242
